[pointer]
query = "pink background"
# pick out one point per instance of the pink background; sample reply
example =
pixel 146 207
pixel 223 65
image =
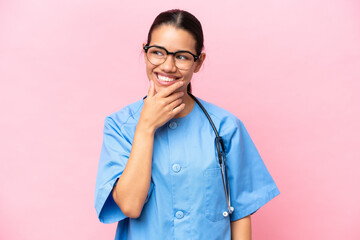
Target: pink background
pixel 290 70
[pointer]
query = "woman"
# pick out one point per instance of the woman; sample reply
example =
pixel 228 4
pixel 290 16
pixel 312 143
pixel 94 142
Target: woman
pixel 159 175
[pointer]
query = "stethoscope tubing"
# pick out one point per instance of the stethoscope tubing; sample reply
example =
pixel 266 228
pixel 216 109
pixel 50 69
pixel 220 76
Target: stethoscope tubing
pixel 221 157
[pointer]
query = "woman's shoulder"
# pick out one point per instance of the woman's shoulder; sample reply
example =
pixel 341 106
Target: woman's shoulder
pixel 129 114
pixel 217 111
pixel 221 115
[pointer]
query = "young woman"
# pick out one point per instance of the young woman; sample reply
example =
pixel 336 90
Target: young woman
pixel 161 172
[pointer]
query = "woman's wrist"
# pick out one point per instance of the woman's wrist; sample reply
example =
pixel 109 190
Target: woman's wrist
pixel 145 127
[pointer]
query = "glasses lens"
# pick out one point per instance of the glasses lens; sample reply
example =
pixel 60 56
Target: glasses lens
pixel 184 60
pixel 156 55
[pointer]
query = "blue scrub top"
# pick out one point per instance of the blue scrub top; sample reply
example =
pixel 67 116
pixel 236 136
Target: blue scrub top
pixel 186 199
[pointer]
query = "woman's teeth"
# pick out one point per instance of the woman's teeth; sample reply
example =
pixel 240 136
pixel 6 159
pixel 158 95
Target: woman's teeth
pixel 166 79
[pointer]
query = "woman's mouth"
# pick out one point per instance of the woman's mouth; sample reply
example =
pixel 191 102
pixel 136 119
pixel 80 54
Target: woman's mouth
pixel 165 80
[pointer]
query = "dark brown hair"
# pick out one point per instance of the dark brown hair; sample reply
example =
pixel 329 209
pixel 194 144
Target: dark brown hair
pixel 183 20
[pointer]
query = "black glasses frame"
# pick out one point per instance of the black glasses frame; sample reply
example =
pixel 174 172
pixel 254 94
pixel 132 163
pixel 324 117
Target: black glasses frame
pixel 147 47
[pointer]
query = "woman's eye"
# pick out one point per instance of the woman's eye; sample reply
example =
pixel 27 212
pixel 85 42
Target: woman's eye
pixel 182 57
pixel 157 53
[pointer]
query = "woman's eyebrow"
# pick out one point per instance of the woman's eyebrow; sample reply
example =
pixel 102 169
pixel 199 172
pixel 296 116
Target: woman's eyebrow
pixel 180 50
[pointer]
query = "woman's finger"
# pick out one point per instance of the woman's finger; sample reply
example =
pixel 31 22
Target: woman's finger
pixel 170 89
pixel 151 91
pixel 178 109
pixel 174 96
pixel 174 104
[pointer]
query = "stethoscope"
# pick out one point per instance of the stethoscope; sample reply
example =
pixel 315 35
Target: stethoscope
pixel 220 149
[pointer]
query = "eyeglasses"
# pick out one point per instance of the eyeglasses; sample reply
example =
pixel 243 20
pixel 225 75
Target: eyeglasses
pixel 157 55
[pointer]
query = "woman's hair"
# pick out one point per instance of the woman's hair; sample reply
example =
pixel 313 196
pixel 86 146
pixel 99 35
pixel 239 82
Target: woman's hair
pixel 183 20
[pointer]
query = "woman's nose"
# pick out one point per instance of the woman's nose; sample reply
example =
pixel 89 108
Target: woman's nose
pixel 169 64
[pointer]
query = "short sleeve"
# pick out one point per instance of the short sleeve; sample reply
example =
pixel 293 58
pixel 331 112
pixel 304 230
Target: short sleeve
pixel 114 155
pixel 251 184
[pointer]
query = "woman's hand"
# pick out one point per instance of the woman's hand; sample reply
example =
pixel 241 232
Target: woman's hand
pixel 162 106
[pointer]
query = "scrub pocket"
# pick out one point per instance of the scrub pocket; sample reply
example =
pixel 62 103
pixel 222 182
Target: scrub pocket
pixel 215 200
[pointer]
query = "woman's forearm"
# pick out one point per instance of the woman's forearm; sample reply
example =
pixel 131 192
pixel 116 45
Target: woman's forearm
pixel 133 186
pixel 241 229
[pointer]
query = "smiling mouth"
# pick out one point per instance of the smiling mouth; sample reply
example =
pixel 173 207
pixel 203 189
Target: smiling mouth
pixel 165 78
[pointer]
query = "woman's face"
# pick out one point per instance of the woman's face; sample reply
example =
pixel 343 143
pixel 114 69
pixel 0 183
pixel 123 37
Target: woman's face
pixel 166 74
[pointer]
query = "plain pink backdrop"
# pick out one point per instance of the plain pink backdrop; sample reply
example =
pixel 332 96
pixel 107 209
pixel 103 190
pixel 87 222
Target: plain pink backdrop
pixel 290 70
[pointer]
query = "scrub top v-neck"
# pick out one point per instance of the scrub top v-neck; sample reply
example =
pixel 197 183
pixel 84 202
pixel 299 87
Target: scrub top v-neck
pixel 186 198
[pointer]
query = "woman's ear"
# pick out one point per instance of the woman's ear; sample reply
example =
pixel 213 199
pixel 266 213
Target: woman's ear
pixel 199 62
pixel 143 45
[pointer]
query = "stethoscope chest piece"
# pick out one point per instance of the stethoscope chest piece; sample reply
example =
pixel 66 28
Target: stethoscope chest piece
pixel 226 213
